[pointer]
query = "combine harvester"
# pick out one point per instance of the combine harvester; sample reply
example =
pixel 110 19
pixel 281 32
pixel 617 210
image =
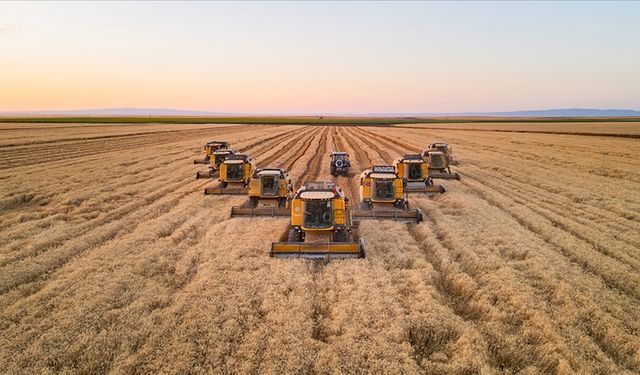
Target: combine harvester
pixel 209 148
pixel 321 226
pixel 235 174
pixel 215 159
pixel 415 172
pixel 383 197
pixel 445 149
pixel 270 192
pixel 438 165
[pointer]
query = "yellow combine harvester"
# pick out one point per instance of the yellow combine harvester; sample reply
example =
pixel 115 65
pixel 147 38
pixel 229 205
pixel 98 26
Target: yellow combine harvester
pixel 438 166
pixel 445 149
pixel 215 159
pixel 209 148
pixel 321 226
pixel 270 192
pixel 415 172
pixel 383 197
pixel 235 174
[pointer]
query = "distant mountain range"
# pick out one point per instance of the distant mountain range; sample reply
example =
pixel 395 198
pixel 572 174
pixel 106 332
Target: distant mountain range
pixel 566 112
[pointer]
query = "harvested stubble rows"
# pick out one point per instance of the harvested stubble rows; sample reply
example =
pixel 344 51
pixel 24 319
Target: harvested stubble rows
pixel 112 259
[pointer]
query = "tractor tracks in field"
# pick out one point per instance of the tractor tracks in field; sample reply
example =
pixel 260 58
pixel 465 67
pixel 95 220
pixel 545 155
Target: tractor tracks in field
pixel 449 285
pixel 312 171
pixel 457 283
pixel 553 197
pixel 452 292
pixel 568 218
pixel 114 136
pixel 90 236
pixel 399 145
pixel 607 267
pixel 303 142
pixel 350 184
pixel 191 231
pixel 610 277
pixel 149 177
pixel 612 135
pixel 364 138
pixel 583 261
pixel 569 164
pixel 46 154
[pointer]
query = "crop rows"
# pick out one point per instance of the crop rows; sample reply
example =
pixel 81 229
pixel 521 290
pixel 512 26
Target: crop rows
pixel 112 259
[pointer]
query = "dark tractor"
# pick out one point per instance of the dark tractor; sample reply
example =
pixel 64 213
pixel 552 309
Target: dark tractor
pixel 340 163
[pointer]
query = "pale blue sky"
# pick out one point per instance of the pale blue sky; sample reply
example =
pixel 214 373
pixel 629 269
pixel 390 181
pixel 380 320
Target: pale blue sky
pixel 320 57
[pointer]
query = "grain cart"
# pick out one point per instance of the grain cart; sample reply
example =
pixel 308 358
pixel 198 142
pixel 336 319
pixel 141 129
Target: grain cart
pixel 235 174
pixel 270 192
pixel 209 148
pixel 340 163
pixel 415 172
pixel 383 197
pixel 215 159
pixel 438 166
pixel 320 227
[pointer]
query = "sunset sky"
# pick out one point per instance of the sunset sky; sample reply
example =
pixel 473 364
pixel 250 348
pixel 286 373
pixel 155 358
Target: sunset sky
pixel 284 57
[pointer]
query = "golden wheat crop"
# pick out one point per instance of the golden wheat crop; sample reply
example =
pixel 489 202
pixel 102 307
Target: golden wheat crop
pixel 112 259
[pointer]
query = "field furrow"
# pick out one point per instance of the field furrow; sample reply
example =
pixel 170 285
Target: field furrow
pixel 112 260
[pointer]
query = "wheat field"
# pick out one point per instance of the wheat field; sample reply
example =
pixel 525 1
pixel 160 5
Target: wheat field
pixel 112 260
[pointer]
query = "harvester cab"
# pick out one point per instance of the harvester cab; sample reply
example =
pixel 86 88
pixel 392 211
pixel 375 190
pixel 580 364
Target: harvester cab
pixel 209 148
pixel 383 197
pixel 270 191
pixel 340 163
pixel 438 166
pixel 445 149
pixel 320 226
pixel 235 174
pixel 415 173
pixel 216 158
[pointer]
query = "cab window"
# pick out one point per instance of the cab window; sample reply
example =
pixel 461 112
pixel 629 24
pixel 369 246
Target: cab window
pixel 234 171
pixel 317 214
pixel 436 161
pixel 382 189
pixel 269 185
pixel 414 171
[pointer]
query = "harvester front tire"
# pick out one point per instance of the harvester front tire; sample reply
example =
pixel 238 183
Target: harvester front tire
pixel 253 202
pixel 340 235
pixel 294 235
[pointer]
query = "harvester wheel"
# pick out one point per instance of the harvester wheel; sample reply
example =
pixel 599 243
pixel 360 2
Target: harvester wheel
pixel 253 202
pixel 333 171
pixel 294 235
pixel 282 202
pixel 223 184
pixel 403 204
pixel 340 235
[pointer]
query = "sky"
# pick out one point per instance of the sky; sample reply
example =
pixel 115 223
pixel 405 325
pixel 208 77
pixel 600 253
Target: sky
pixel 320 57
